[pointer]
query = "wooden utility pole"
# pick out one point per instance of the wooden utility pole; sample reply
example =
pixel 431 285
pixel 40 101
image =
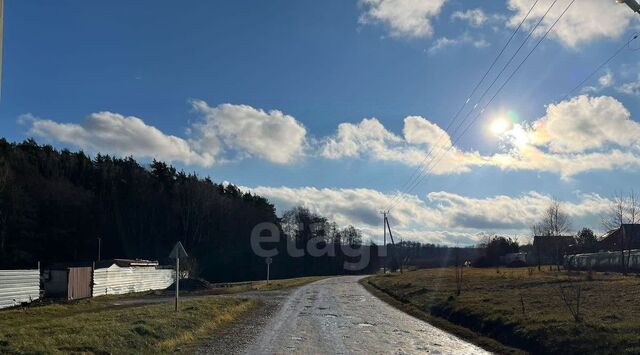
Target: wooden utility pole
pixel 99 241
pixel 386 224
pixel 384 247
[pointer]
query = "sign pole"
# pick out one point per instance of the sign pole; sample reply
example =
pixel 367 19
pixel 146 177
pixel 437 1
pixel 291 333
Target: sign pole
pixel 177 280
pixel 177 252
pixel 268 261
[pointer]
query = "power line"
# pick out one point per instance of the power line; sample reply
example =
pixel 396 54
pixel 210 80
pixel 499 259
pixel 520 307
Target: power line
pixel 426 168
pixel 495 60
pixel 429 167
pixel 495 94
pixel 615 54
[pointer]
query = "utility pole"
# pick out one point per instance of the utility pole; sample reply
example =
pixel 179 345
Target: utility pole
pixel 99 247
pixel 384 247
pixel 633 4
pixel 386 227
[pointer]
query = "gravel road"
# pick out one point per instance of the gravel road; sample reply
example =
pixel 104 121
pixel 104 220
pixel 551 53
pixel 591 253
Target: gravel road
pixel 338 316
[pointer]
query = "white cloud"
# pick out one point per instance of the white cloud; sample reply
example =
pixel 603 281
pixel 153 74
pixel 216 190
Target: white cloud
pixel 353 140
pixel 418 130
pixel 630 88
pixel 475 17
pixel 604 81
pixel 574 136
pixel 464 218
pixel 586 20
pixel 370 139
pixel 108 132
pixel 273 136
pixel 405 18
pixel 465 38
pixel 240 129
pixel 585 123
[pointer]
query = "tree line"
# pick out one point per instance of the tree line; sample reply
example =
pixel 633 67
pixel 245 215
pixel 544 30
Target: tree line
pixel 55 206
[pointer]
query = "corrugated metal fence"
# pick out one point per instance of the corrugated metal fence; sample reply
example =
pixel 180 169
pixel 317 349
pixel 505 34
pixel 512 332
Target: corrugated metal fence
pixel 19 286
pixel 607 260
pixel 119 280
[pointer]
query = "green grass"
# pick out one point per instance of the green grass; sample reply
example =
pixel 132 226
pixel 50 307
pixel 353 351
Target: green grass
pixel 94 326
pixel 491 306
pixel 98 326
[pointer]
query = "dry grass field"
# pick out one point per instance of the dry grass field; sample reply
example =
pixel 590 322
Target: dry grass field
pixel 526 308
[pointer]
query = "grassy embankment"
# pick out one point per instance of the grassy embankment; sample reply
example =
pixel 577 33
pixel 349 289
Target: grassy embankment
pixel 523 308
pixel 263 286
pixel 97 326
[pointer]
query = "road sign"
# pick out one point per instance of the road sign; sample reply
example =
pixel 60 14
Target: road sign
pixel 178 252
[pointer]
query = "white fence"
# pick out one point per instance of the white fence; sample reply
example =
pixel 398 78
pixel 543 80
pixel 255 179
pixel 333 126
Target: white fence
pixel 19 286
pixel 117 280
pixel 603 260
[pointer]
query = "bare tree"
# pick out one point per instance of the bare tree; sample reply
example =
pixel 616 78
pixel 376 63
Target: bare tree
pixel 555 223
pixel 623 210
pixel 573 306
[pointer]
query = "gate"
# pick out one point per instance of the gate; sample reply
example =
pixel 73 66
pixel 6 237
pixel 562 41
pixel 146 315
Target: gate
pixel 79 282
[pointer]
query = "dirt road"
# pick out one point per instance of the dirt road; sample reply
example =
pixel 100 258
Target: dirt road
pixel 338 316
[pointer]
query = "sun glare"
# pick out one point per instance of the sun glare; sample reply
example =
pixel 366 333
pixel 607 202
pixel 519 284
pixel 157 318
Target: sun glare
pixel 499 126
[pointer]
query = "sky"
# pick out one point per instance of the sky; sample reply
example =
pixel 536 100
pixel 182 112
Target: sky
pixel 347 107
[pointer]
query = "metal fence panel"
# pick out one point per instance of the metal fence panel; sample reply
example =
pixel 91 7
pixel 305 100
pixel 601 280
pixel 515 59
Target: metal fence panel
pixel 116 280
pixel 19 286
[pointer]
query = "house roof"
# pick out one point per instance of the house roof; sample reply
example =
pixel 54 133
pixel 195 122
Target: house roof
pixel 612 237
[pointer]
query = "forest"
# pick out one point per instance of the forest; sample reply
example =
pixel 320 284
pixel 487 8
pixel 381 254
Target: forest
pixel 55 205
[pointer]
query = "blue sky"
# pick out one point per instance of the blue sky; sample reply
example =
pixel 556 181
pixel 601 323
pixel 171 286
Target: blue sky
pixel 271 95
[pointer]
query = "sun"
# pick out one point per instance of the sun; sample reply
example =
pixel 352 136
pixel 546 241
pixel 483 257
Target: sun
pixel 499 126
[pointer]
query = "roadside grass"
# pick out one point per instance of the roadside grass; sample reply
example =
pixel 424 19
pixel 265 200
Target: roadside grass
pixel 281 284
pixel 484 342
pixel 524 308
pixel 94 326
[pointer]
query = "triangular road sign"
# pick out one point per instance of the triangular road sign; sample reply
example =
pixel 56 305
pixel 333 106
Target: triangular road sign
pixel 178 252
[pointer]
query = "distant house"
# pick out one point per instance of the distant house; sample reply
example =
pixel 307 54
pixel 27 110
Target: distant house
pixel 613 240
pixel 550 249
